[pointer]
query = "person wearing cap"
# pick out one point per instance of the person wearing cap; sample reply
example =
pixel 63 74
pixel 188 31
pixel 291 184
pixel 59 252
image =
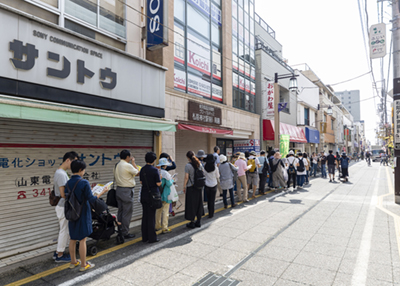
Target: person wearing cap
pixel 162 214
pixel 344 163
pixel 241 163
pixel 252 176
pixel 291 165
pixel 227 173
pixel 262 175
pixel 171 167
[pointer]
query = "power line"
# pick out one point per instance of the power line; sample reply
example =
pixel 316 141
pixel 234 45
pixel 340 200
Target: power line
pixel 351 79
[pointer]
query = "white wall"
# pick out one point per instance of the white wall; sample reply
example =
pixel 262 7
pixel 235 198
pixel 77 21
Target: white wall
pixel 308 92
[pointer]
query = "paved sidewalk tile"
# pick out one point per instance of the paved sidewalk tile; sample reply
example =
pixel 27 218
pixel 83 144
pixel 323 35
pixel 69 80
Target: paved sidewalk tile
pixel 250 278
pixel 266 265
pixel 279 253
pixel 318 260
pixel 309 275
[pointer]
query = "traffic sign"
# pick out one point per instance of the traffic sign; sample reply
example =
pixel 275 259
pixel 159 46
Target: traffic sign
pixel 377 41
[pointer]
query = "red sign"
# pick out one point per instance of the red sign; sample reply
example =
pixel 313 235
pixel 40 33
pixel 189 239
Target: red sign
pixel 203 129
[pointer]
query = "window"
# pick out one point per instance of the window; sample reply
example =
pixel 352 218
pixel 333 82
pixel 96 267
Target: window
pixel 53 3
pixel 332 124
pixel 179 10
pixel 198 22
pixel 111 14
pixel 324 117
pixel 306 116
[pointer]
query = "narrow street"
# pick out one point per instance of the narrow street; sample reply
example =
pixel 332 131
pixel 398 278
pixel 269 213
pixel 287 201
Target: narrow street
pixel 324 234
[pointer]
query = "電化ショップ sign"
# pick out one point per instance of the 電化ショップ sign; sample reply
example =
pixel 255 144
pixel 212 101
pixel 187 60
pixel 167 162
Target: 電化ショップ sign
pixel 204 113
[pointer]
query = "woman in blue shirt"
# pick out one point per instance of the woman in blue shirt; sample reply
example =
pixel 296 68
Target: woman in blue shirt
pixel 79 230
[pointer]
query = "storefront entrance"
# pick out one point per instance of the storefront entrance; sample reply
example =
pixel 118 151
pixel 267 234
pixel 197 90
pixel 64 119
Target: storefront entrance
pixel 226 147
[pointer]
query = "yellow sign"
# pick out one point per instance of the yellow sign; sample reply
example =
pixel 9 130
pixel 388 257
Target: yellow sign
pixel 323 127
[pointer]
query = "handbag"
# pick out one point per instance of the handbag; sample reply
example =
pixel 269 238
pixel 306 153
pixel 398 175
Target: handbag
pixel 53 199
pixel 112 194
pixel 173 195
pixel 156 202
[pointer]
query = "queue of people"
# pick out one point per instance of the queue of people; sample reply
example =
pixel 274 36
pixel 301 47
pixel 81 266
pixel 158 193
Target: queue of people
pixel 205 175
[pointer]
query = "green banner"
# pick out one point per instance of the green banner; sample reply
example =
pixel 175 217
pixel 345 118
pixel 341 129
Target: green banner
pixel 284 145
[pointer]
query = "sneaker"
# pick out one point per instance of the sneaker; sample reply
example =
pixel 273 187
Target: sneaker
pixel 64 258
pixel 72 265
pixel 88 266
pixel 330 181
pixel 166 230
pixel 55 255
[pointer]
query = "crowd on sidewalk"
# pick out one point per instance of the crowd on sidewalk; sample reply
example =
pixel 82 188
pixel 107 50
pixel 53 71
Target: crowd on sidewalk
pixel 207 176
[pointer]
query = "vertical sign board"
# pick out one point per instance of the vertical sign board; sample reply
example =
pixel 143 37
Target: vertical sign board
pixel 157 19
pixel 284 145
pixel 396 118
pixel 377 41
pixel 268 110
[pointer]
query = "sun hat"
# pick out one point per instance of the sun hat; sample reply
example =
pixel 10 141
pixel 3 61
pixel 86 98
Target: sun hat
pixel 291 152
pixel 163 162
pixel 201 154
pixel 222 158
pixel 242 156
pixel 253 153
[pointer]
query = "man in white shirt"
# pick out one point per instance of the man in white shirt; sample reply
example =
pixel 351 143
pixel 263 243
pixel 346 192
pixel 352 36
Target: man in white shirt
pixel 291 166
pixel 60 180
pixel 124 174
pixel 301 170
pixel 252 175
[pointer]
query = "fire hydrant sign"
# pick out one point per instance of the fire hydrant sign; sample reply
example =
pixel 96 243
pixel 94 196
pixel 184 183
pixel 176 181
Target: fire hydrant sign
pixel 396 119
pixel 377 41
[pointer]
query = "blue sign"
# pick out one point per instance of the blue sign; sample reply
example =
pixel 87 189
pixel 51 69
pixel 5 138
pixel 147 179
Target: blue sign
pixel 156 32
pixel 246 146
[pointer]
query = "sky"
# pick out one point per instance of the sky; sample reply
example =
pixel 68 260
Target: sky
pixel 327 36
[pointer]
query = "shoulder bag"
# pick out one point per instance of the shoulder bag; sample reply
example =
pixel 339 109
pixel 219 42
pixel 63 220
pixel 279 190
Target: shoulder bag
pixel 156 202
pixel 53 199
pixel 112 194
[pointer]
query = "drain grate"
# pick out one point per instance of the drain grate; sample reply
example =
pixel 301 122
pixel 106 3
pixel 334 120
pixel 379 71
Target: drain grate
pixel 212 279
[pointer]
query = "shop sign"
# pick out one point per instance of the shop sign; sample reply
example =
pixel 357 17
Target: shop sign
pixel 216 67
pixel 247 86
pixel 247 145
pixel 377 41
pixel 397 124
pixel 217 92
pixel 216 14
pixel 253 88
pixel 284 145
pixel 179 45
pixel 204 113
pixel 268 110
pixel 198 56
pixel 241 82
pixel 179 79
pixel 157 34
pixel 34 53
pixel 198 86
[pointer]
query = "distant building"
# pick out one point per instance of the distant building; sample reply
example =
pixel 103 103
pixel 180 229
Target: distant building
pixel 351 100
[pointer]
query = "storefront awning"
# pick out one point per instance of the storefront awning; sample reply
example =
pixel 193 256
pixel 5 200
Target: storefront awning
pixel 312 135
pixel 204 129
pixel 296 133
pixel 19 108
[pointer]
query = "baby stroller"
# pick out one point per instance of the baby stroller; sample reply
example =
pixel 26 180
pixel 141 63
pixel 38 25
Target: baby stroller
pixel 103 224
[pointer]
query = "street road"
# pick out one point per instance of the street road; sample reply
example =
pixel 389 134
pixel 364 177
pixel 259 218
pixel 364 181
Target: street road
pixel 324 234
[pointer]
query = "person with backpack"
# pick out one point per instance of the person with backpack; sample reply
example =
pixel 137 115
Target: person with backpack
pixel 241 163
pixel 277 168
pixel 171 167
pixel 78 192
pixel 252 173
pixel 263 172
pixel 291 164
pixel 60 180
pixel 308 167
pixel 301 170
pixel 162 214
pixel 193 184
pixel 323 165
pixel 344 163
pixel 227 177
pixel 212 176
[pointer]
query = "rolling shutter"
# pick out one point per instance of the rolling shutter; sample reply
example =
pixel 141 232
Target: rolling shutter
pixel 30 153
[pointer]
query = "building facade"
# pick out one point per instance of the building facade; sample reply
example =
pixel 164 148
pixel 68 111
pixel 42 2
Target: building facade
pixel 351 100
pixel 73 76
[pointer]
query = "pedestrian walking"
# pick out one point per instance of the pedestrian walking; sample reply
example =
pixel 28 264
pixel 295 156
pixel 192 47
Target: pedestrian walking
pixel 331 166
pixel 344 163
pixel 278 168
pixel 291 164
pixel 252 174
pixel 212 176
pixel 226 171
pixel 80 229
pixel 314 164
pixel 241 163
pixel 308 167
pixel 263 173
pixel 193 200
pixel 217 162
pixel 124 173
pixel 270 159
pixel 201 155
pixel 171 167
pixel 301 170
pixel 60 179
pixel 322 160
pixel 162 214
pixel 151 181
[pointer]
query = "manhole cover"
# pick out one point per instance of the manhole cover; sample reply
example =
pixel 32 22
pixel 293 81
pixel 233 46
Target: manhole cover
pixel 212 279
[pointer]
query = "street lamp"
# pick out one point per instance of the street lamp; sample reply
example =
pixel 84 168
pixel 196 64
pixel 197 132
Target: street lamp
pixel 292 87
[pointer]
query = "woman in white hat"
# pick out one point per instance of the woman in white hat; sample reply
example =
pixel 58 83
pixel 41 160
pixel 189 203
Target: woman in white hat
pixel 241 163
pixel 226 171
pixel 162 214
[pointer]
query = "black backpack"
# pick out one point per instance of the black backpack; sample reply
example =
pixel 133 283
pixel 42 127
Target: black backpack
pixel 199 178
pixel 301 167
pixel 265 169
pixel 275 167
pixel 291 169
pixel 72 207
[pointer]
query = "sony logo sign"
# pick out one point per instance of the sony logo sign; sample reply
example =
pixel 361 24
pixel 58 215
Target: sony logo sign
pixel 157 20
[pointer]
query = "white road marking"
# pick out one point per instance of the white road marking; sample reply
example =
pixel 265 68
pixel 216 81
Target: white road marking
pixel 361 268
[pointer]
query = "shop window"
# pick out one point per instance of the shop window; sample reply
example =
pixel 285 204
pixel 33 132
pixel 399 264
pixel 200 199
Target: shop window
pixel 53 3
pixel 284 96
pixel 198 22
pixel 234 9
pixel 332 124
pixel 216 34
pixel 234 45
pixel 179 10
pixel 306 116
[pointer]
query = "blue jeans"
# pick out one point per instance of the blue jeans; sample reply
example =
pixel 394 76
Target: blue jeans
pixel 323 170
pixel 300 180
pixel 230 195
pixel 306 178
pixel 314 170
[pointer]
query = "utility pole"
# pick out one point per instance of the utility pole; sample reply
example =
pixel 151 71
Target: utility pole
pixel 396 91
